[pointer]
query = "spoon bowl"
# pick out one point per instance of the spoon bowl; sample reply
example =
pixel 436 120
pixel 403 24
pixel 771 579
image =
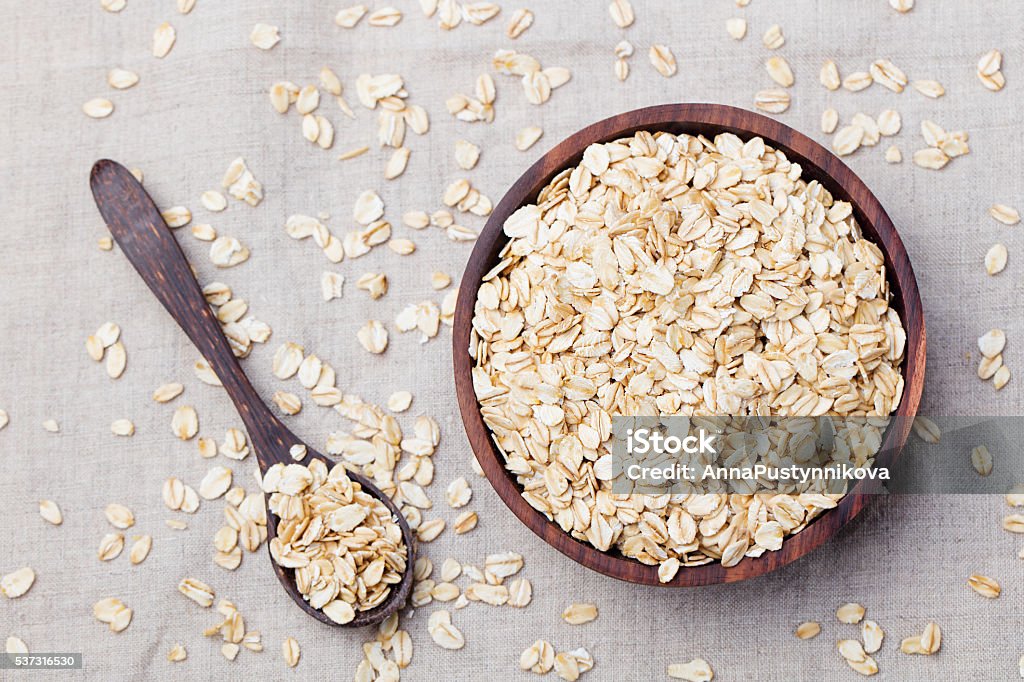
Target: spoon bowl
pixel 147 242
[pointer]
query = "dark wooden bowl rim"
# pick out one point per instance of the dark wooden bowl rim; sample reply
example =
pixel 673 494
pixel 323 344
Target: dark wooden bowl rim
pixel 818 164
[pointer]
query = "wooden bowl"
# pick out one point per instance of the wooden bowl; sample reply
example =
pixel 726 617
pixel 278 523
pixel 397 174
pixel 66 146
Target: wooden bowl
pixel 818 164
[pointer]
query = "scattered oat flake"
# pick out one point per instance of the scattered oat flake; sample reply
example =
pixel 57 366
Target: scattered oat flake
pixel 121 79
pixel 397 163
pixel 668 569
pixel 927 430
pixel 98 108
pixel 808 630
pixel 111 545
pixel 931 639
pixel 440 280
pixel 988 367
pixel 992 342
pixel 373 336
pixel 929 88
pixel 185 422
pixel 353 153
pixel 163 40
pixel 458 493
pixel 773 38
pixel 307 100
pixel 368 207
pixel 622 13
pixel 522 19
pixel 696 670
pixel 330 81
pixel 985 586
pixel 290 651
pixel 241 184
pixel 1014 523
pixel 113 612
pixel 995 259
pixel 399 401
pixel 621 69
pixel 374 283
pixel 850 613
pixel 538 658
pixel 288 403
pixel 468 520
pixel 856 657
pixel 887 74
pixel 662 59
pixel 829 121
pixel 930 158
pixel 872 634
pixel 779 71
pixel 443 632
pixel 466 154
pixel 177 654
pixel 578 614
pixel 981 460
pixel 17 583
pixel 889 122
pixel 772 100
pixel 119 516
pixel 990 62
pixel 122 427
pixel 50 511
pixel 176 216
pixel 331 284
pixel 847 140
pixel 197 591
pixel 205 373
pixel 829 75
pixel 15 645
pixel 51 426
pixel 857 81
pixel 1004 214
pixel 214 201
pixel 385 17
pixel 527 137
pixel 140 549
pixel 350 16
pixel 736 27
pixel 264 36
pixel 227 252
pixel 428 531
pixel 215 483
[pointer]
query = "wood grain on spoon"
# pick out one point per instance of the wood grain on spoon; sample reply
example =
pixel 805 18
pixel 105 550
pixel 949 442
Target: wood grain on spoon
pixel 147 242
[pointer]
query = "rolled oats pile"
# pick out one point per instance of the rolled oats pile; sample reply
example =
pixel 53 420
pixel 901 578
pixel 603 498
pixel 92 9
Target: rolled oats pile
pixel 679 275
pixel 344 544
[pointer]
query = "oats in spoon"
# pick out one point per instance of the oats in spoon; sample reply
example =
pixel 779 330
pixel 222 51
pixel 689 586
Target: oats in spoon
pixel 344 544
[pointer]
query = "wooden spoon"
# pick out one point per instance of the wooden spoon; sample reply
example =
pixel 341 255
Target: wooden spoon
pixel 147 242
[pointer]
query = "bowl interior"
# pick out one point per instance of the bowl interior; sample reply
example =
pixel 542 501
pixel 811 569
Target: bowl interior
pixel 817 164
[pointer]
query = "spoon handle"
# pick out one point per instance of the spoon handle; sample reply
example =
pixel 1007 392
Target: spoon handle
pixel 147 242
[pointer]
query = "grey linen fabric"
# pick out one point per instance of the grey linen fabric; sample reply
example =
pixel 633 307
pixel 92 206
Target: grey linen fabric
pixel 905 558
